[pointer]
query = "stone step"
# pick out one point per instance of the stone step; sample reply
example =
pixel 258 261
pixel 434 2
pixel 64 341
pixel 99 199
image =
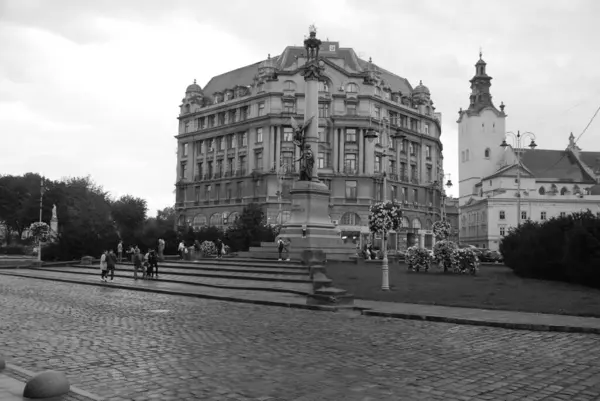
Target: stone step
pixel 242 261
pixel 269 276
pixel 232 282
pixel 273 255
pixel 241 268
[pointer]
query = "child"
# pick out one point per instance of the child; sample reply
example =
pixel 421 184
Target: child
pixel 103 267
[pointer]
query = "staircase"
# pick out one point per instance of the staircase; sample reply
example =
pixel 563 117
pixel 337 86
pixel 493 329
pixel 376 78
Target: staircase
pixel 268 251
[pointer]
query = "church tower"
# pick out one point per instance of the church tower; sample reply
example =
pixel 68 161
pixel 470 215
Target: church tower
pixel 481 130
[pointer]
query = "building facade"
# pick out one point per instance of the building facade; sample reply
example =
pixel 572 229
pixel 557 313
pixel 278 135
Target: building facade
pixel 552 182
pixel 235 144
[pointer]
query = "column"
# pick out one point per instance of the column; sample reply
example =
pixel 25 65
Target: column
pixel 276 145
pixel 311 105
pixel 278 148
pixel 335 149
pixel 267 138
pixel 214 160
pixel 361 151
pixel 421 240
pixel 369 157
pixel 342 137
pixel 251 142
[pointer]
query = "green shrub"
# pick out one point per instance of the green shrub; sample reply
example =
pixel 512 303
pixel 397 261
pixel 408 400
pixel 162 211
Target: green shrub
pixel 14 250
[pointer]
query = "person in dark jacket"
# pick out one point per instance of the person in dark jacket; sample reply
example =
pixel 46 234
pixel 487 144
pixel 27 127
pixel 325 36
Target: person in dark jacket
pixel 219 246
pixel 111 262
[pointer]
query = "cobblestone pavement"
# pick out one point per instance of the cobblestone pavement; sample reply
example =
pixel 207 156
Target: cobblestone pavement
pixel 126 345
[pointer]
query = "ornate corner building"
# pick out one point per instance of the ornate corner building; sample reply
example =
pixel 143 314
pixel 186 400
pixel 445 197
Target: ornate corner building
pixel 552 182
pixel 235 144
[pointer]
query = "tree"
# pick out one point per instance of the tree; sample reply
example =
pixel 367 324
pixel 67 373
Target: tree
pixel 249 229
pixel 129 214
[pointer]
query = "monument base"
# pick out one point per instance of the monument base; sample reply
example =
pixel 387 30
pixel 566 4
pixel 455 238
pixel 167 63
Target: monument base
pixel 310 227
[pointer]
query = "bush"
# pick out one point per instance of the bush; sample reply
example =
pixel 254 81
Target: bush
pixel 564 249
pixel 465 261
pixel 14 250
pixel 443 252
pixel 417 258
pixel 208 248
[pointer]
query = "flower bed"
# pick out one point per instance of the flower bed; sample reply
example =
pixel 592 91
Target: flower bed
pixel 417 258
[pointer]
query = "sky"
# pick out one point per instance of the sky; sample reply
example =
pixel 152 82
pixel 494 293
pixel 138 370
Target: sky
pixel 93 87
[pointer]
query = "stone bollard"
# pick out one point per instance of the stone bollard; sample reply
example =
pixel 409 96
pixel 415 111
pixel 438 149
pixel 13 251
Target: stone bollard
pixel 46 385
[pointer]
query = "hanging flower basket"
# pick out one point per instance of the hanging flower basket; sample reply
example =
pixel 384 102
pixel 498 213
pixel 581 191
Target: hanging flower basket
pixel 384 217
pixel 40 231
pixel 418 258
pixel 441 229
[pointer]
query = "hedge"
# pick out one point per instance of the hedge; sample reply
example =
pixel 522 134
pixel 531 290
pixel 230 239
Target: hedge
pixel 563 249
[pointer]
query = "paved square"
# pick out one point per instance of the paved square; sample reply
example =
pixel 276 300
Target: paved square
pixel 126 345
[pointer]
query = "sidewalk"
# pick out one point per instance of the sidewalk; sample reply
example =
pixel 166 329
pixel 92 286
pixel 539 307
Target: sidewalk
pixel 13 380
pixel 434 313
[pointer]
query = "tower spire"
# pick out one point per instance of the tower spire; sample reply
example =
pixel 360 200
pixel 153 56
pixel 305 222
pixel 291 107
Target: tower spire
pixel 480 87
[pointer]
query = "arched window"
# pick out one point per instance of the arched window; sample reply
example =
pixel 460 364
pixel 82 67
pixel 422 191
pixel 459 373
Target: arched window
pixel 199 221
pixel 233 216
pixel 228 95
pixel 350 219
pixel 576 189
pixel 416 223
pixel 323 86
pixel 428 224
pixel 487 153
pixel 564 191
pixel 542 191
pixel 289 86
pixel 216 220
pixel 404 223
pixel 352 88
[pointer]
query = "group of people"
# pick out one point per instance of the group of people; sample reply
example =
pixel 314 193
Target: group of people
pixel 147 263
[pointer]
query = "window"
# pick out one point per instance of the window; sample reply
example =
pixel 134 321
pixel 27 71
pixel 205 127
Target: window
pixel 378 191
pixel 258 160
pixel 413 171
pixel 186 126
pixel 211 121
pixel 228 96
pixel 502 231
pixel 350 189
pixel 323 135
pixel 563 214
pixel 351 109
pixel 288 134
pixel 426 127
pixel 259 137
pixel 543 216
pixel 392 166
pixel 184 150
pixel 323 110
pixel 228 191
pixel 428 152
pixel 287 159
pixel 323 87
pixel 201 123
pixel 502 215
pixel 289 86
pixel 378 164
pixel 403 146
pixel 564 191
pixel 405 194
pixel 232 116
pixel 217 192
pixel 377 91
pixel 350 162
pixel 198 147
pixel 230 165
pixel 323 160
pixel 239 189
pixel 523 215
pixel 231 141
pixel 350 219
pixel 221 118
pixel 219 168
pixel 242 164
pixel 351 88
pixel 415 195
pixel 243 113
pixel 210 169
pixel 221 143
pixel 261 87
pixel 200 167
pixel 207 192
pixel 429 175
pixel 288 106
pixel 411 148
pixel 377 113
pixel 183 171
pixel 261 109
pixel 402 171
pixel 394 190
pixel 487 153
pixel 243 139
pixel 350 135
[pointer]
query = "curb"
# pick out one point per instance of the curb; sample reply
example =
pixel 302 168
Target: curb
pixel 265 289
pixel 187 294
pixel 73 389
pixel 488 323
pixel 362 310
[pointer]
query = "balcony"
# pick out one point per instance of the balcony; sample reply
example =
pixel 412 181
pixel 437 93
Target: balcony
pixel 393 176
pixel 403 178
pixel 238 200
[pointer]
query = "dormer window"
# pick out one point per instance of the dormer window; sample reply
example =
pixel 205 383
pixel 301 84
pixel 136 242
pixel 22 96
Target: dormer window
pixel 378 91
pixel 487 153
pixel 542 191
pixel 323 87
pixel 352 88
pixel 564 191
pixel 289 86
pixel 228 95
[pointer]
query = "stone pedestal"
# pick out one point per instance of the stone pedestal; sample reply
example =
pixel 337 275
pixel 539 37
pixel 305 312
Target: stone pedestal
pixel 309 227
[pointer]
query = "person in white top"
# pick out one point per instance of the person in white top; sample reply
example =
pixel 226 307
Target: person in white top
pixel 103 267
pixel 181 249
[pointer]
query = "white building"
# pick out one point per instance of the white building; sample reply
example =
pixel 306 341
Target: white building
pixel 553 182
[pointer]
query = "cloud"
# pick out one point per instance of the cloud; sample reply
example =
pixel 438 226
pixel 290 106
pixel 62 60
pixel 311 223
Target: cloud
pixel 94 87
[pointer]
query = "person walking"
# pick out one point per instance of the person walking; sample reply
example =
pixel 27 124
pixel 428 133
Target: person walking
pixel 161 249
pixel 111 262
pixel 120 251
pixel 219 246
pixel 181 249
pixel 103 267
pixel 137 262
pixel 153 261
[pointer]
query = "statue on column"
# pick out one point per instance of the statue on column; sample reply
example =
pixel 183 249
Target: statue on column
pixel 54 212
pixel 307 159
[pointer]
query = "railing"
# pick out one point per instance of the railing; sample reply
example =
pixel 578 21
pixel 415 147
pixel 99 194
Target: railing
pixel 403 178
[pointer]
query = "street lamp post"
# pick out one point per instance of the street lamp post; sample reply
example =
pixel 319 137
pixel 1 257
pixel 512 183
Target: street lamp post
pixel 443 193
pixel 371 135
pixel 39 255
pixel 519 138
